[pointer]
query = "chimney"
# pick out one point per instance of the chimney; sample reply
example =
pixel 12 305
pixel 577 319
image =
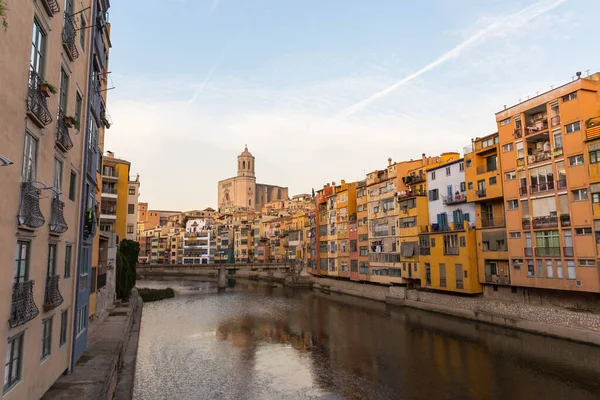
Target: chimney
pixel 578 73
pixel 505 106
pixel 389 161
pixel 110 154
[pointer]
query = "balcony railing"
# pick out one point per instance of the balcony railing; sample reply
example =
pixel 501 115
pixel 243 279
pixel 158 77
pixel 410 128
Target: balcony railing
pixel 425 251
pixel 410 193
pixel 568 251
pixel 499 279
pixel 520 161
pixel 413 179
pixel 51 7
pixel 90 222
pixel 482 169
pixel 555 121
pixel 63 139
pixel 110 173
pixel 30 214
pixel 526 223
pixel 57 218
pixel 561 184
pixel 37 106
pixel 528 252
pixel 108 211
pixel 539 157
pixel 481 193
pixel 109 190
pixel 459 284
pixel 547 221
pixel 537 127
pixel 451 251
pixel 522 190
pixel 542 187
pixel 443 282
pixel 52 297
pixel 23 308
pixel 547 251
pixel 69 36
pixel 456 199
pixel 565 220
pixel 492 222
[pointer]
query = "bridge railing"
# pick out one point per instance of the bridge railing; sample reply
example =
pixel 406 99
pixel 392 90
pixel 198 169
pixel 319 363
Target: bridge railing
pixel 142 266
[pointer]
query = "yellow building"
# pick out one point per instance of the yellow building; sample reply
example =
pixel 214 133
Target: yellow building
pixel 345 206
pixel 116 209
pixel 592 133
pixel 362 227
pixel 485 190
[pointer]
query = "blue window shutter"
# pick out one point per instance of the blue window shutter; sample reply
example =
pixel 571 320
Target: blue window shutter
pixel 466 216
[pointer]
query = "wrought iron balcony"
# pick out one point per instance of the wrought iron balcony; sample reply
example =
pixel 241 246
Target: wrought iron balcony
pixel 455 199
pixel 90 222
pixel 413 179
pixel 547 251
pixel 459 284
pixel 52 297
pixel 69 35
pixel 30 214
pixel 63 139
pixel 37 106
pixel 57 217
pixel 547 221
pixel 542 187
pixel 51 7
pixel 23 308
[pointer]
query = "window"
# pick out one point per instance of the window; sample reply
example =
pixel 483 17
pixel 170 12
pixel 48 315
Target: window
pixel 583 231
pixel 492 181
pixel 463 241
pixel 434 195
pixel 78 103
pixel 29 158
pixel 576 160
pixel 505 122
pixel 587 263
pixel 432 242
pixel 82 33
pixel 433 176
pixel 549 270
pixel 427 274
pixel 68 256
pixel 13 361
pixel 463 186
pixel 46 338
pixel 575 126
pixel 540 265
pixel 579 194
pixel 81 319
pixel 516 263
pixel 63 92
pixel 515 235
pixel 443 275
pixel 468 163
pixel 508 147
pixel 461 167
pixel 470 185
pixel 130 228
pixel 513 204
pixel 594 157
pixel 510 176
pixel 448 171
pixel 130 208
pixel 530 269
pixel 64 322
pixel 21 269
pixel 571 269
pixel 559 270
pixel 58 170
pixel 38 49
pixel 85 268
pixel 51 267
pixel 558 140
pixel 569 97
pixel 72 186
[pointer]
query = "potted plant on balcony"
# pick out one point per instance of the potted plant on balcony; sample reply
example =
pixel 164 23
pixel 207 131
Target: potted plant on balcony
pixel 71 122
pixel 565 219
pixel 47 89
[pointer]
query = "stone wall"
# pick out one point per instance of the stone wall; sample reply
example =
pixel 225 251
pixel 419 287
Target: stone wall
pixel 368 291
pixel 547 298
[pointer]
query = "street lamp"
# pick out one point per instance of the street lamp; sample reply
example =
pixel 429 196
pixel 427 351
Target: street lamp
pixel 5 162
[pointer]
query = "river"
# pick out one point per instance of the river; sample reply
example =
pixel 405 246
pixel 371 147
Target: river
pixel 262 342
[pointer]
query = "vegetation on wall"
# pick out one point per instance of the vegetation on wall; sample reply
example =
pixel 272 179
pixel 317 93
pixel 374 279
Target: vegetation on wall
pixel 3 10
pixel 148 295
pixel 127 256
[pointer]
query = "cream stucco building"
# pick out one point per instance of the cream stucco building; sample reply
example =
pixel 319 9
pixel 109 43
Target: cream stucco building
pixel 242 191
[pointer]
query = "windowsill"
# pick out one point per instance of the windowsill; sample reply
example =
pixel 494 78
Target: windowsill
pixel 45 358
pixel 9 388
pixel 80 333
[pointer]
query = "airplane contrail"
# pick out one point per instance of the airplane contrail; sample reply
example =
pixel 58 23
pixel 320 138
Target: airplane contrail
pixel 500 26
pixel 206 79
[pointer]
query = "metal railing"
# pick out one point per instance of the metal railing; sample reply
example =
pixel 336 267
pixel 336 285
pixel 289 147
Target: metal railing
pixel 51 7
pixel 37 106
pixel 542 187
pixel 425 251
pixel 459 284
pixel 547 251
pixel 90 222
pixel 555 121
pixel 518 133
pixel 57 224
pixel 526 223
pixel 443 282
pixel 30 214
pixel 539 157
pixel 547 221
pixel 561 184
pixel 481 193
pixel 413 179
pixel 455 199
pixel 539 126
pixel 109 211
pixel 523 190
pixel 23 308
pixel 450 251
pixel 69 36
pixel 52 296
pixel 528 252
pixel 109 190
pixel 565 220
pixel 492 222
pixel 482 169
pixel 63 139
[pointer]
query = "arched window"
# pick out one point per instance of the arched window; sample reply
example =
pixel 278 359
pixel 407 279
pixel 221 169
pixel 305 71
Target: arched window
pixel 243 164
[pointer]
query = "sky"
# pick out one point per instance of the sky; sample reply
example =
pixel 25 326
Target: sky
pixel 323 90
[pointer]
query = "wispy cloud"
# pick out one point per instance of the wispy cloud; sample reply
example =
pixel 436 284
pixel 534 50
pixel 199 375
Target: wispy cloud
pixel 214 5
pixel 498 27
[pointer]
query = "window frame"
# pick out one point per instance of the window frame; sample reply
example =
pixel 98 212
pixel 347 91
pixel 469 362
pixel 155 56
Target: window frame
pixel 64 327
pixel 46 338
pixel 30 155
pixel 580 196
pixel 576 160
pixel 572 127
pixel 512 202
pixel 68 259
pixel 12 381
pixel 508 147
pixel 39 41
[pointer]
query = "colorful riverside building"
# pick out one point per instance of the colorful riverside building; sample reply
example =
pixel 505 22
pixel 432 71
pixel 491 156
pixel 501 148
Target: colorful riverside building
pixel 448 247
pixel 485 181
pixel 345 210
pixel 548 159
pixel 362 232
pixel 322 229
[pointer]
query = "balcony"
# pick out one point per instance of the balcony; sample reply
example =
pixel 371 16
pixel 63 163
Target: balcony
pixel 521 162
pixel 51 7
pixel 592 128
pixel 37 106
pixel 523 191
pixel 537 127
pixel 459 284
pixel 542 187
pixel 23 308
pixel 518 133
pixel 52 297
pixel 57 218
pixel 499 279
pixel 63 139
pixel 405 194
pixel 109 173
pixel 547 221
pixel 480 193
pixel 528 252
pixel 565 220
pixel 69 36
pixel 108 211
pixel 425 251
pixel 450 251
pixel 414 179
pixel 456 199
pixel 547 251
pixel 492 222
pixel 30 214
pixel 526 223
pixel 482 169
pixel 555 121
pixel 568 251
pixel 90 222
pixel 539 157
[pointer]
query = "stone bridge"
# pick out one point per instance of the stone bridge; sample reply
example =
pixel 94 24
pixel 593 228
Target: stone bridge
pixel 221 270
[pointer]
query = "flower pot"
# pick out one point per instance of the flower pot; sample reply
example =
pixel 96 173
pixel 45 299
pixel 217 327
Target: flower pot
pixel 68 122
pixel 45 90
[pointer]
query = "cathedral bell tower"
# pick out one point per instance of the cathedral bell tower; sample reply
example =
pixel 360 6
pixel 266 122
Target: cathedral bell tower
pixel 246 164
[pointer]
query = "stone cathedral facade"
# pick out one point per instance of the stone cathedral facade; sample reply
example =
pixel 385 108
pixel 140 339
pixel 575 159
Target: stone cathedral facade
pixel 242 191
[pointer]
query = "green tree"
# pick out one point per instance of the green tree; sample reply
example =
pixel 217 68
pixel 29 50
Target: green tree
pixel 127 256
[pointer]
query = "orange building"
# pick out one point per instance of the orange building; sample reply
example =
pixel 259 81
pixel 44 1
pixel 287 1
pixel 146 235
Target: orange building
pixel 548 173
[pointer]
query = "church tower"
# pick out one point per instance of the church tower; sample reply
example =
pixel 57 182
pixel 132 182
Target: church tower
pixel 246 164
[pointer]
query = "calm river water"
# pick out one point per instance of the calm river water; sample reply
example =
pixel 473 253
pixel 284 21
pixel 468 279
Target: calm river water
pixel 260 342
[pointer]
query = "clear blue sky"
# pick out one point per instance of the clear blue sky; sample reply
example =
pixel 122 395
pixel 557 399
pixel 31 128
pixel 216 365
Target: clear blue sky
pixel 315 87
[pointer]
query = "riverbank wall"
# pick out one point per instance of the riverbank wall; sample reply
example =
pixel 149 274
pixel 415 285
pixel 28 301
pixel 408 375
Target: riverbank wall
pixel 107 368
pixel 579 326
